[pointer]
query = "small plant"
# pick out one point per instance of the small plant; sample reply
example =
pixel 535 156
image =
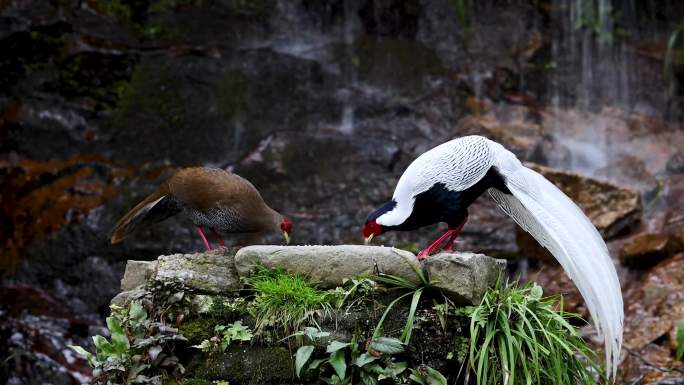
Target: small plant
pixel 138 347
pixel 425 375
pixel 357 288
pixel 414 290
pixel 225 336
pixel 518 337
pixel 347 364
pixel 284 301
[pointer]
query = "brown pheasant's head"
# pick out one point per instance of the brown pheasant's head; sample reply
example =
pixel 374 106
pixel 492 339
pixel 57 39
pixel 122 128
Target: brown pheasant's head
pixel 286 228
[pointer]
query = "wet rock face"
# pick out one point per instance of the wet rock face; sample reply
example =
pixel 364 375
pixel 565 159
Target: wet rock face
pixel 35 329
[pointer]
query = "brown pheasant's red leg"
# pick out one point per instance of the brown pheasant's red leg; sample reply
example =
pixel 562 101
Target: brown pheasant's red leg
pixel 217 236
pixel 204 238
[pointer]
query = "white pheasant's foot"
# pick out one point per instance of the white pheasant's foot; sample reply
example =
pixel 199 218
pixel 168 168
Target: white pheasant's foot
pixel 448 236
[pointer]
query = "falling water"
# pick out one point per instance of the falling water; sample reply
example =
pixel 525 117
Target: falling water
pixel 347 119
pixel 593 73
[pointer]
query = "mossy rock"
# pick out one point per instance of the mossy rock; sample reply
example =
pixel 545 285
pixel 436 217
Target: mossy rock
pixel 253 365
pixel 219 308
pixel 198 330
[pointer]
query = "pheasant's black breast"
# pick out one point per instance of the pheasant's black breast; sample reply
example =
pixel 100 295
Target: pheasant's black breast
pixel 439 204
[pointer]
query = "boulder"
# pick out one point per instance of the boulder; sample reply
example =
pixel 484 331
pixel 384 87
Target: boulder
pixel 464 277
pixel 329 266
pixel 125 297
pixel 646 249
pixel 137 273
pixel 210 272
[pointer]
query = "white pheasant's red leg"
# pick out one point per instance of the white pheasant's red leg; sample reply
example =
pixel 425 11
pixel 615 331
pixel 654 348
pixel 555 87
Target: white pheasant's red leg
pixel 217 236
pixel 204 238
pixel 450 242
pixel 450 235
pixel 435 245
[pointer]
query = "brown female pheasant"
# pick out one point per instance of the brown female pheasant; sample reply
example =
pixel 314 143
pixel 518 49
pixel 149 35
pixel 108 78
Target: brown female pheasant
pixel 213 198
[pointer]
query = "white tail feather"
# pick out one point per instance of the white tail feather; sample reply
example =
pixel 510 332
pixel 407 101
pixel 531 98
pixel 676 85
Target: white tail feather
pixel 541 209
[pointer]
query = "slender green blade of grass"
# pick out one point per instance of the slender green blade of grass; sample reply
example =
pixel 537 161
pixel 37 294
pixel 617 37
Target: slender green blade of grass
pixel 408 329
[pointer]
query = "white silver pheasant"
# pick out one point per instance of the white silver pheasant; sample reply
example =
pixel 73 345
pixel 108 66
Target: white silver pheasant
pixel 440 185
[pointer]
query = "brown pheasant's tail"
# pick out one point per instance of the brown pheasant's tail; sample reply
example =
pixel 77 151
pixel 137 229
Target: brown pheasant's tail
pixel 155 208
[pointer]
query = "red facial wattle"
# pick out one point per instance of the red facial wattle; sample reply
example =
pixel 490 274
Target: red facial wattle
pixel 371 228
pixel 286 226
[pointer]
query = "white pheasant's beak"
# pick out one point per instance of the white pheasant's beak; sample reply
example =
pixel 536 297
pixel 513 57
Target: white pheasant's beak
pixel 287 237
pixel 368 240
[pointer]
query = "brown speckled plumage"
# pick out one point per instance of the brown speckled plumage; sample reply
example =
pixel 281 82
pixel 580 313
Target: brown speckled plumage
pixel 211 198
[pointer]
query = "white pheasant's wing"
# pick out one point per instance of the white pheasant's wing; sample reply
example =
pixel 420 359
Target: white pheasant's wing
pixel 459 164
pixel 544 211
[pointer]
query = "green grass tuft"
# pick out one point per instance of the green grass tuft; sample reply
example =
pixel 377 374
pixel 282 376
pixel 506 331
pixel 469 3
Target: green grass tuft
pixel 519 337
pixel 283 302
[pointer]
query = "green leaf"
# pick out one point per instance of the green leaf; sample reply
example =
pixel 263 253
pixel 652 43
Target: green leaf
pixel 378 327
pixel 428 376
pixel 83 353
pixel 237 332
pixel 314 333
pixel 387 345
pixel 204 346
pixel 119 337
pixel 364 359
pixel 395 368
pixel 336 345
pixel 434 377
pixel 224 344
pixel 536 292
pixel 417 377
pixel 102 346
pixel 302 356
pixel 338 363
pixel 408 329
pixel 316 363
pixel 368 379
pixel 136 312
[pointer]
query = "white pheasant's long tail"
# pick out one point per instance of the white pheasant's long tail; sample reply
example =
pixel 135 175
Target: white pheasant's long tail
pixel 541 209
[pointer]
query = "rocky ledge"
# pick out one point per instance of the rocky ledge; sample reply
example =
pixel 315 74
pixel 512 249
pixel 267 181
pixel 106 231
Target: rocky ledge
pixel 463 276
pixel 238 315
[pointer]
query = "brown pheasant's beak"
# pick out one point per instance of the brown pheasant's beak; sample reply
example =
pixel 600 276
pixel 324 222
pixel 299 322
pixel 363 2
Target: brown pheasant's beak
pixel 287 237
pixel 368 239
